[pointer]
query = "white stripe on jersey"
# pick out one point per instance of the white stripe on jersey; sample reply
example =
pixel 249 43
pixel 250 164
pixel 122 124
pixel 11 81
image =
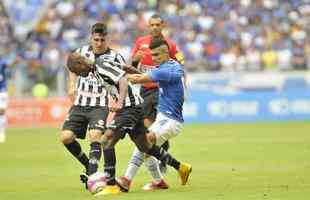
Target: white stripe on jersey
pixel 113 72
pixel 135 88
pixel 94 100
pixel 110 73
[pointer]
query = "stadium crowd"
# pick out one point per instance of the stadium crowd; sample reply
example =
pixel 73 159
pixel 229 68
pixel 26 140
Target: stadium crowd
pixel 214 35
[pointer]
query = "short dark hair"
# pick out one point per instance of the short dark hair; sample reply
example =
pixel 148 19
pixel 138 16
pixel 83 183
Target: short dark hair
pixel 156 16
pixel 157 43
pixel 100 28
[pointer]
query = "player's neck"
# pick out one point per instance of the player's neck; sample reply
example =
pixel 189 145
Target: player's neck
pixel 157 36
pixel 101 51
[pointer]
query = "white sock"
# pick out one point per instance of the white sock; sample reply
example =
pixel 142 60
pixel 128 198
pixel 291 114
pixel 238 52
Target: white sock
pixel 135 162
pixel 152 165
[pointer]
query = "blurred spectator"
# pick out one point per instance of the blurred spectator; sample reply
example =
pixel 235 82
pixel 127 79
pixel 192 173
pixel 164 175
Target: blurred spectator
pixel 299 58
pixel 213 34
pixel 284 55
pixel 269 58
pixel 253 59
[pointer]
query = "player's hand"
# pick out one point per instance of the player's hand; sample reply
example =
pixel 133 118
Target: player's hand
pixel 116 107
pixel 131 77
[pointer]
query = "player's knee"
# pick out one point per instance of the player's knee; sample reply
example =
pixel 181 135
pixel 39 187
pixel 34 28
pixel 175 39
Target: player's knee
pixel 151 137
pixel 147 122
pixel 95 135
pixel 66 137
pixel 110 139
pixel 144 146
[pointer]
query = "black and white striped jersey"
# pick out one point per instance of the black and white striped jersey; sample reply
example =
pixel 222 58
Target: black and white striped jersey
pixel 109 71
pixel 90 91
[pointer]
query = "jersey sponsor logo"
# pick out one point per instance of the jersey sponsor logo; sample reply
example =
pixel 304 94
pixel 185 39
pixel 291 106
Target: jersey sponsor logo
pixel 147 68
pixel 144 45
pixel 100 124
pixel 91 94
pixel 163 122
pixel 92 81
pixel 107 58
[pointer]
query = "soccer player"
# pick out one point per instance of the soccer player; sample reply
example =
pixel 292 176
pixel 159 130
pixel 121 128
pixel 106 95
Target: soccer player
pixel 169 119
pixel 128 119
pixel 5 63
pixel 3 98
pixel 167 125
pixel 141 56
pixel 90 102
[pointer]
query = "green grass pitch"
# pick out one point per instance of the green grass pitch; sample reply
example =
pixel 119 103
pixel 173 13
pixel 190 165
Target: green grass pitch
pixel 230 162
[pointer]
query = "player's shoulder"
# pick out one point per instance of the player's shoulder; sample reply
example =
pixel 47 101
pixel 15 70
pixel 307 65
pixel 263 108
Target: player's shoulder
pixel 113 55
pixel 144 38
pixel 176 65
pixel 84 50
pixel 169 41
pixel 173 62
pixel 112 52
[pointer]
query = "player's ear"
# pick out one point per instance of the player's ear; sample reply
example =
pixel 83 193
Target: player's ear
pixel 164 24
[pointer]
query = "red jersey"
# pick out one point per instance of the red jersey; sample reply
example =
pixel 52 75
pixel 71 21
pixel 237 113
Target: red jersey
pixel 146 62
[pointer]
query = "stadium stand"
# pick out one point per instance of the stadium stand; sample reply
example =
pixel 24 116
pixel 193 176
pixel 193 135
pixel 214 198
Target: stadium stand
pixel 214 35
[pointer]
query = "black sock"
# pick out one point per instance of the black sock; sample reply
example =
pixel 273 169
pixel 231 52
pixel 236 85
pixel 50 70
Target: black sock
pixel 75 149
pixel 94 157
pixel 164 156
pixel 166 145
pixel 109 165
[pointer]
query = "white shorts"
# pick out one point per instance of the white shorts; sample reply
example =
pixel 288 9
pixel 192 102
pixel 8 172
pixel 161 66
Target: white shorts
pixel 3 100
pixel 165 128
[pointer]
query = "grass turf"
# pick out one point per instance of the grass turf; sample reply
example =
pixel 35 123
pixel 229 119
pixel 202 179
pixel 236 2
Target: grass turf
pixel 230 161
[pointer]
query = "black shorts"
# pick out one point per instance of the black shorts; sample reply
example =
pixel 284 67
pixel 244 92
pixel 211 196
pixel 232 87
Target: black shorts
pixel 150 97
pixel 128 120
pixel 81 118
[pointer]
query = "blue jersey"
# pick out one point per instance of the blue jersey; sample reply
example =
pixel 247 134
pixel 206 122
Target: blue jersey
pixel 3 67
pixel 170 76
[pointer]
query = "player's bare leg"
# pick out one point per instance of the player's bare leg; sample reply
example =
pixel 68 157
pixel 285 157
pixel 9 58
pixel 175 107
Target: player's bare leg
pixel 109 163
pixel 159 153
pixel 95 150
pixel 68 139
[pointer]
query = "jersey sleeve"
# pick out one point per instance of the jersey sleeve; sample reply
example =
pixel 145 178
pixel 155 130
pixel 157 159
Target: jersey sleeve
pixel 78 50
pixel 160 74
pixel 135 48
pixel 176 54
pixel 109 72
pixel 119 61
pixel 166 74
pixel 173 50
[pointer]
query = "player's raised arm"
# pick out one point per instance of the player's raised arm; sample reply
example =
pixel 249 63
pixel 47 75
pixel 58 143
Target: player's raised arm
pixel 139 78
pixel 71 83
pixel 131 70
pixel 71 86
